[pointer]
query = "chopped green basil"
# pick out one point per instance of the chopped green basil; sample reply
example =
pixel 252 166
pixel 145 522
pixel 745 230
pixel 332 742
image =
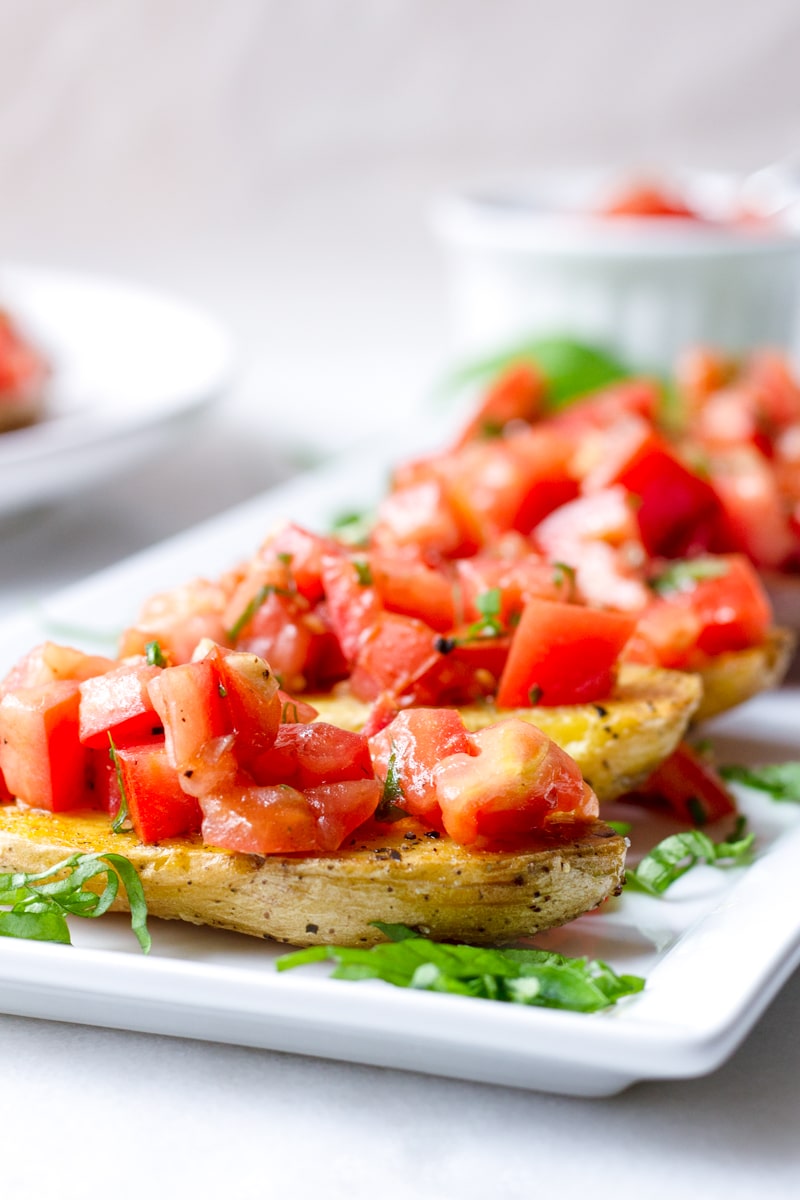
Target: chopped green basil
pixel 488 624
pixel 36 905
pixel 564 576
pixel 534 695
pixel 532 977
pixel 155 657
pixel 780 780
pixel 684 575
pixel 679 853
pixel 353 527
pixel 363 572
pixel 389 807
pixel 250 610
pixel 622 828
pixel 122 820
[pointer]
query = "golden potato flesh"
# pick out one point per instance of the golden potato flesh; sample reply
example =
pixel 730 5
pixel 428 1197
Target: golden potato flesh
pixel 401 873
pixel 730 679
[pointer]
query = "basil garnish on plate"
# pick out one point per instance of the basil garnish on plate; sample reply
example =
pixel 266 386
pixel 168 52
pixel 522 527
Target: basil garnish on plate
pixel 533 977
pixel 36 905
pixel 676 855
pixel 781 781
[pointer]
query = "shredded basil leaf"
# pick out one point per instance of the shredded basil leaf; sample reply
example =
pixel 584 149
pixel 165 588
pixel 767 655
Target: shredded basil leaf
pixel 488 603
pixel 622 828
pixel 683 576
pixel 389 807
pixel 250 610
pixel 564 576
pixel 363 571
pixel 36 905
pixel 122 821
pixel 488 625
pixel 534 695
pixel 532 977
pixel 353 527
pixel 781 781
pixel 676 855
pixel 155 657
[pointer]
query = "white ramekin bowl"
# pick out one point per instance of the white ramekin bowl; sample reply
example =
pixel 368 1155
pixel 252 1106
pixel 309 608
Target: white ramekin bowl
pixel 528 257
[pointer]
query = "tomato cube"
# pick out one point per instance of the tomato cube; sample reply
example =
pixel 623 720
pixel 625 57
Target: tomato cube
pixel 562 654
pixel 309 755
pixel 41 757
pixel 189 704
pixel 411 747
pixel 118 703
pixel 353 603
pixel 513 782
pixel 157 805
pixel 394 652
pixel 283 820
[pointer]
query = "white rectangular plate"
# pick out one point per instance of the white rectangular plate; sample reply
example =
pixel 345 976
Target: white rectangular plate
pixel 715 950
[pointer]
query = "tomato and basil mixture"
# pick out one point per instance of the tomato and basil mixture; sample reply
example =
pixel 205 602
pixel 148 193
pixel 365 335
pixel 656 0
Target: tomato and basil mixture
pixel 23 373
pixel 214 747
pixel 519 566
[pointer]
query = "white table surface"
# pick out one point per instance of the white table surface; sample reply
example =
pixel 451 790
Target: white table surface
pixel 82 1107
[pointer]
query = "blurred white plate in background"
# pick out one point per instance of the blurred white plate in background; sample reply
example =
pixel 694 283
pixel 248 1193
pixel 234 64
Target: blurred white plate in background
pixel 129 366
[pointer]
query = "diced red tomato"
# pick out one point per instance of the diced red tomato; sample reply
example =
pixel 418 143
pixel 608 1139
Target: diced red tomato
pixel 383 711
pixel 394 652
pixel 188 701
pixel 301 553
pixel 562 654
pixel 281 633
pixel 732 608
pixel 769 373
pixel 756 518
pixel 23 377
pixel 672 501
pixel 413 745
pixel 517 779
pixel 645 200
pixel 419 513
pixel 50 662
pixel 666 635
pixel 251 706
pixel 691 787
pixel 700 372
pixel 118 703
pixel 41 757
pixel 509 483
pixel 341 808
pixel 282 820
pixel 294 711
pixel 602 409
pixel 353 602
pixel 181 618
pixel 607 515
pixel 157 805
pixel 406 584
pixel 308 756
pixel 517 580
pixel 517 395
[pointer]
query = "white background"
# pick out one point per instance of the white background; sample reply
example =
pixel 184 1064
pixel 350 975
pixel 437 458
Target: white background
pixel 276 162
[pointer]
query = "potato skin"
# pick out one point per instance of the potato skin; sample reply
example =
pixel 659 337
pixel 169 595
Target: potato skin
pixel 617 743
pixel 400 873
